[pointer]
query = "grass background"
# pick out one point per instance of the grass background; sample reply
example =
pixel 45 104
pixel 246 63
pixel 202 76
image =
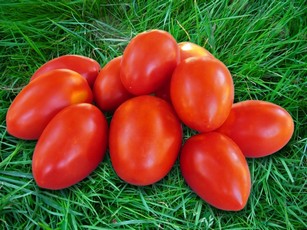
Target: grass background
pixel 262 42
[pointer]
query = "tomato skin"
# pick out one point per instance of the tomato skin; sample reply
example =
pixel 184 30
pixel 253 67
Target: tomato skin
pixel 148 61
pixel 164 92
pixel 190 49
pixel 145 139
pixel 108 89
pixel 259 128
pixel 216 170
pixel 85 66
pixel 202 93
pixel 42 98
pixel 71 147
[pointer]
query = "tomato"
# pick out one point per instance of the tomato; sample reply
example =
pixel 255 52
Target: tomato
pixel 190 49
pixel 202 93
pixel 71 147
pixel 108 89
pixel 87 67
pixel 42 99
pixel 216 170
pixel 145 139
pixel 186 50
pixel 259 128
pixel 148 61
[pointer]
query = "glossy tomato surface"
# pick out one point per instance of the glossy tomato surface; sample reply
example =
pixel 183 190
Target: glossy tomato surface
pixel 40 100
pixel 108 89
pixel 202 93
pixel 259 128
pixel 87 67
pixel 216 170
pixel 145 138
pixel 190 49
pixel 148 61
pixel 71 147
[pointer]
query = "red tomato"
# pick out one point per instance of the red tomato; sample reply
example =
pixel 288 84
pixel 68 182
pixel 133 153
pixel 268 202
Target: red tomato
pixel 189 49
pixel 71 147
pixel 42 98
pixel 148 61
pixel 145 138
pixel 216 170
pixel 108 90
pixel 87 67
pixel 202 93
pixel 259 128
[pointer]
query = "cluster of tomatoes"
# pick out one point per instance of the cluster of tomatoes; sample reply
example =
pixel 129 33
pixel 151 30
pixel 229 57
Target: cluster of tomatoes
pixel 154 87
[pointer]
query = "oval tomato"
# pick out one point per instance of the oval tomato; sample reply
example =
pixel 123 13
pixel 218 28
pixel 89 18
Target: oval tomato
pixel 190 49
pixel 186 50
pixel 71 147
pixel 145 138
pixel 148 61
pixel 202 93
pixel 42 98
pixel 216 170
pixel 87 67
pixel 108 89
pixel 259 128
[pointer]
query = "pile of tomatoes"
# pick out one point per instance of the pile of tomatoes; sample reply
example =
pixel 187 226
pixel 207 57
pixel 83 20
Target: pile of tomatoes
pixel 155 87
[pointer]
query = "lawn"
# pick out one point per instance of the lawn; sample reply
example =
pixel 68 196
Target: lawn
pixel 263 43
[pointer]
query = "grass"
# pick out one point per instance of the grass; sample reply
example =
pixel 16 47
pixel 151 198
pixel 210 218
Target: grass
pixel 262 42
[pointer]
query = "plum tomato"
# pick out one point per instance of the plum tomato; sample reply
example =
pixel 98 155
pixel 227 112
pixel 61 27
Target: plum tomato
pixel 71 147
pixel 144 140
pixel 186 50
pixel 202 93
pixel 216 170
pixel 108 89
pixel 85 66
pixel 259 128
pixel 148 61
pixel 42 99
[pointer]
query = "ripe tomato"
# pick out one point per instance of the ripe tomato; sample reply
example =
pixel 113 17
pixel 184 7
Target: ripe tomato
pixel 108 89
pixel 189 49
pixel 202 93
pixel 87 67
pixel 186 50
pixel 145 138
pixel 148 61
pixel 42 98
pixel 71 147
pixel 216 170
pixel 259 128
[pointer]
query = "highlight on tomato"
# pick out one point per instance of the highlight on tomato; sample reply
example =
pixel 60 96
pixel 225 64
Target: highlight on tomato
pixel 40 100
pixel 190 49
pixel 108 89
pixel 259 128
pixel 145 139
pixel 72 146
pixel 202 93
pixel 216 170
pixel 148 61
pixel 85 66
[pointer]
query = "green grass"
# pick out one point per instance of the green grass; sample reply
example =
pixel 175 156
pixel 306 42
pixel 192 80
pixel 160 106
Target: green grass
pixel 262 42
